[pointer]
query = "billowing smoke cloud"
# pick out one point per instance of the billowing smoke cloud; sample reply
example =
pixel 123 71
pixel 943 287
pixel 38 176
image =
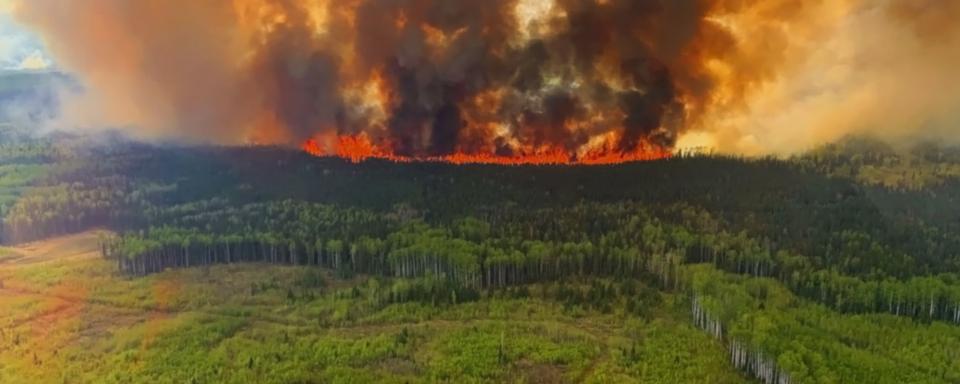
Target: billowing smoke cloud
pixel 881 67
pixel 426 78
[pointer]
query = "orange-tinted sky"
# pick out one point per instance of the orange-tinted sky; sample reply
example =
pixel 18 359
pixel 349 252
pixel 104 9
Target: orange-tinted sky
pixel 745 76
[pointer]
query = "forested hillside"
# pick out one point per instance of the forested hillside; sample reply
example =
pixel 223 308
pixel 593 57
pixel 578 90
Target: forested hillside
pixel 840 265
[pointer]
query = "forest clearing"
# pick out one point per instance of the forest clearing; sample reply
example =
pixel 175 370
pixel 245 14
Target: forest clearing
pixel 72 313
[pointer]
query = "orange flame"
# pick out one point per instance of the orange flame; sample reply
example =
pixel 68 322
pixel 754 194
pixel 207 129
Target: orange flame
pixel 359 148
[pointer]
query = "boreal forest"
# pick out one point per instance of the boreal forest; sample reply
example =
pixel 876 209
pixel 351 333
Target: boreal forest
pixel 134 262
pixel 479 191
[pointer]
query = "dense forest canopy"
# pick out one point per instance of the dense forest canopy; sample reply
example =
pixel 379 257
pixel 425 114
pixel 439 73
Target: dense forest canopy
pixel 855 228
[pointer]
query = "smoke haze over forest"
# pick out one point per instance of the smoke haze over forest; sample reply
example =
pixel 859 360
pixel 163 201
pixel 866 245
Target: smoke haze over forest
pixel 422 78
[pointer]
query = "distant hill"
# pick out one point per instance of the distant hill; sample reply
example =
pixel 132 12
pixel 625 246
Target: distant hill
pixel 874 162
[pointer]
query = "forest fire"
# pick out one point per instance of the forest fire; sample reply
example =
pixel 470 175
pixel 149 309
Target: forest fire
pixel 515 81
pixel 358 148
pixel 482 89
pixel 504 81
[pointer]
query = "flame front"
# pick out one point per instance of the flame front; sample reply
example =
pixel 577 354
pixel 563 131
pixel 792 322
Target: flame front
pixel 358 148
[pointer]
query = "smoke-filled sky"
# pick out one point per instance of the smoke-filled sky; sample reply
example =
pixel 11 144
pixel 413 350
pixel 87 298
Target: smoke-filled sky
pixel 435 77
pixel 19 48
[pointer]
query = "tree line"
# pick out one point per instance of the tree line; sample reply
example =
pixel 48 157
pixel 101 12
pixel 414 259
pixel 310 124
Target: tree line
pixel 617 240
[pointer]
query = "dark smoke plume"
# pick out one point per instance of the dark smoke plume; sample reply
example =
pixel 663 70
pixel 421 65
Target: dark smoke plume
pixel 428 78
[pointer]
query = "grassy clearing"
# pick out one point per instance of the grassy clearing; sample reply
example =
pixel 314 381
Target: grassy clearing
pixel 74 319
pixel 7 254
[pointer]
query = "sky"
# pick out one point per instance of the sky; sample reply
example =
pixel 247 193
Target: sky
pixel 19 48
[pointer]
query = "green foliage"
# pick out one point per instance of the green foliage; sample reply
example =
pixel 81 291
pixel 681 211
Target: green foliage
pixel 873 162
pixel 8 254
pixel 813 343
pixel 194 326
pixel 482 354
pixel 667 352
pixel 840 265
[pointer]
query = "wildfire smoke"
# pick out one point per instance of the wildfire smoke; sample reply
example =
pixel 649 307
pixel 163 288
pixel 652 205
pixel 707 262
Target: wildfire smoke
pixel 498 81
